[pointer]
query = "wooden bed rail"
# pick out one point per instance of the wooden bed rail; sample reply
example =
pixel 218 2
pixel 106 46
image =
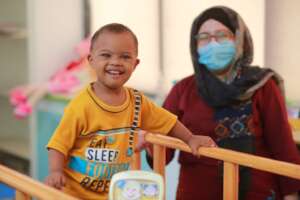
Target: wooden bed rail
pixel 27 187
pixel 232 160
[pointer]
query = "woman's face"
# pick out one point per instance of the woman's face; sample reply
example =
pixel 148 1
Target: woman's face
pixel 213 30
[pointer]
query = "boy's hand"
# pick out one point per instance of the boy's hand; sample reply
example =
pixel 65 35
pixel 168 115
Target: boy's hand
pixel 196 141
pixel 56 179
pixel 142 144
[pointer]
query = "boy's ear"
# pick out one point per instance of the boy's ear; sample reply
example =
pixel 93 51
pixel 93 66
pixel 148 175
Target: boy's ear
pixel 136 63
pixel 90 59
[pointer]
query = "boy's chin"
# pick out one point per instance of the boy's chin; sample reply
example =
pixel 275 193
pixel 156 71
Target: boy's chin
pixel 115 86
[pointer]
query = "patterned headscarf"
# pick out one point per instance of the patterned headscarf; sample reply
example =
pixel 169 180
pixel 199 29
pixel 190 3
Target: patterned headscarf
pixel 246 80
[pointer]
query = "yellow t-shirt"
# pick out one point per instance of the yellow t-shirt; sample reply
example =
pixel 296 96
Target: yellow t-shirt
pixel 97 141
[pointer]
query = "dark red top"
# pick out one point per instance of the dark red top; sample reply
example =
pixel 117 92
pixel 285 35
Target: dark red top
pixel 200 178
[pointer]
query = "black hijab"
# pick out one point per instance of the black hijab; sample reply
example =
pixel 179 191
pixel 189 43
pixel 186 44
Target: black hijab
pixel 214 91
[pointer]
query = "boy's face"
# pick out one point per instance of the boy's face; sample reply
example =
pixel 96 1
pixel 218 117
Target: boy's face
pixel 114 58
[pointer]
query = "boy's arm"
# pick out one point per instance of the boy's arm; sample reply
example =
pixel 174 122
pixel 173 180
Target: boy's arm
pixel 194 141
pixel 178 131
pixel 181 132
pixel 56 176
pixel 56 160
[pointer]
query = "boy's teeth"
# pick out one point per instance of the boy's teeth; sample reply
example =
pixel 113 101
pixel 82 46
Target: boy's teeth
pixel 114 72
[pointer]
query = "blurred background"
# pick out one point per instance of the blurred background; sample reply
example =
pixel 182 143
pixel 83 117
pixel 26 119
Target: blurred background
pixel 40 37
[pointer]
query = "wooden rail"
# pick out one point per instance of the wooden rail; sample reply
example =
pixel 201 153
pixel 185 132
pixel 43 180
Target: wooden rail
pixel 232 160
pixel 27 187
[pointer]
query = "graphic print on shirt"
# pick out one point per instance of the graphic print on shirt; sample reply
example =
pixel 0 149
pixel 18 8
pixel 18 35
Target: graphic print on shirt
pixel 103 157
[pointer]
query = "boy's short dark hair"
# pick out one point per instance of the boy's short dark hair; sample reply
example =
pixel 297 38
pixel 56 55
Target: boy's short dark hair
pixel 114 28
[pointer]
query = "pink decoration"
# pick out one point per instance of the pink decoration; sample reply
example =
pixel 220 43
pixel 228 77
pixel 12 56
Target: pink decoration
pixel 17 96
pixel 83 48
pixel 65 81
pixel 22 110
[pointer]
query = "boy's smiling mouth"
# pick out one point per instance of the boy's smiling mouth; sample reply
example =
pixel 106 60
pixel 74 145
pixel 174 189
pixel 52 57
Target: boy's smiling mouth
pixel 114 72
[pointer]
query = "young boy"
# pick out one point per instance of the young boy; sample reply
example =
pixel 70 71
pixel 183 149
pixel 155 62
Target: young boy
pixel 97 134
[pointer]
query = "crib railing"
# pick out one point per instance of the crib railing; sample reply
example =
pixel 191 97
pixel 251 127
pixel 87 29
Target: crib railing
pixel 232 160
pixel 27 187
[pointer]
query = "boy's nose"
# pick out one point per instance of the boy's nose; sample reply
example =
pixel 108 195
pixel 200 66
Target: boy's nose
pixel 115 60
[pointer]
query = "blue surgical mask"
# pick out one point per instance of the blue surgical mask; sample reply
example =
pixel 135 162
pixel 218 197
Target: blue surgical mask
pixel 216 56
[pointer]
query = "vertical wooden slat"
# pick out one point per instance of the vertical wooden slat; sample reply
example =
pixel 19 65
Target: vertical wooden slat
pixel 136 161
pixel 159 159
pixel 22 196
pixel 230 181
pixel 159 162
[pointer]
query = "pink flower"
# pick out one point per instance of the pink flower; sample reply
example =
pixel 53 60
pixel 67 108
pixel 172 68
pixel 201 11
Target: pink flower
pixel 83 48
pixel 17 96
pixel 63 83
pixel 22 110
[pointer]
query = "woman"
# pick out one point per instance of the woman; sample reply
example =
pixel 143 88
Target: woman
pixel 240 106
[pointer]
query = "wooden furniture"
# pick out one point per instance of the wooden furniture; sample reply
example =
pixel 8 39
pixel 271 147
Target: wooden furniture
pixel 232 160
pixel 26 187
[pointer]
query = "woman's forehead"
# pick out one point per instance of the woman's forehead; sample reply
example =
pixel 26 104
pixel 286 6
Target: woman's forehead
pixel 212 25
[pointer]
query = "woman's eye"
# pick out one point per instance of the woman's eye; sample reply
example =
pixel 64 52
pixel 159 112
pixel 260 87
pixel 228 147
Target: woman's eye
pixel 221 35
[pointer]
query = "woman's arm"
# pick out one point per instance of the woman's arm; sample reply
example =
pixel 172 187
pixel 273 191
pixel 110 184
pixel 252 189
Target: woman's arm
pixel 277 132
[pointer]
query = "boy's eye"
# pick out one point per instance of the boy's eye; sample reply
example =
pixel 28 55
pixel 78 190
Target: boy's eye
pixel 105 55
pixel 126 57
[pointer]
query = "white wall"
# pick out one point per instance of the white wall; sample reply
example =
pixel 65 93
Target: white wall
pixel 283 43
pixel 54 28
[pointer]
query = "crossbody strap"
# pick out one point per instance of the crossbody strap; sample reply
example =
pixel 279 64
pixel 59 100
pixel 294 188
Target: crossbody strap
pixel 137 109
